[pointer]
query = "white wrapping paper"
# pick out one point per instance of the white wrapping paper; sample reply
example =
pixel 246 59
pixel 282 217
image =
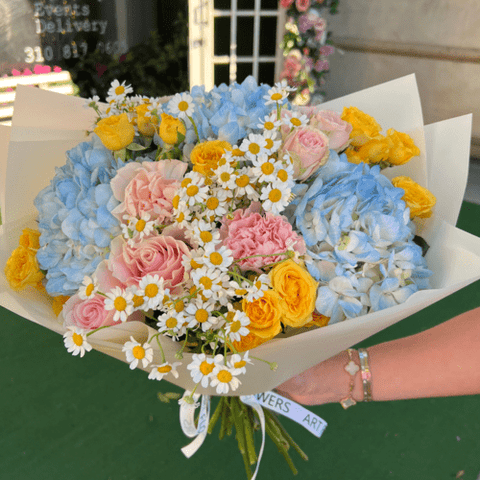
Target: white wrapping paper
pixel 45 125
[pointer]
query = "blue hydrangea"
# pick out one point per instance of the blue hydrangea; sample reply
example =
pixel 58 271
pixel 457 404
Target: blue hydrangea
pixel 75 219
pixel 359 236
pixel 228 112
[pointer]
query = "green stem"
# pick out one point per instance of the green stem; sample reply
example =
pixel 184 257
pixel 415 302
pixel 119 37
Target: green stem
pixel 280 444
pixel 97 329
pixel 215 416
pixel 249 433
pixel 239 426
pixel 195 128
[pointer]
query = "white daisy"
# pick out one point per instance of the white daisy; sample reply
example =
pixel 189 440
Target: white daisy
pixel 235 328
pixel 189 399
pixel 225 176
pixel 270 123
pixel 283 175
pixel 200 313
pixel 151 287
pixel 244 184
pixel 182 105
pixel 88 289
pixel 137 228
pixel 209 281
pixel 75 340
pixel 264 168
pixel 203 232
pixel 277 94
pixel 121 301
pixel 171 323
pixel 224 378
pixel 273 141
pixel 118 91
pixel 216 203
pixel 201 367
pixel 159 371
pixel 238 363
pixel 136 352
pixel 255 291
pixel 220 258
pixel 294 119
pixel 253 145
pixel 195 192
pixel 275 199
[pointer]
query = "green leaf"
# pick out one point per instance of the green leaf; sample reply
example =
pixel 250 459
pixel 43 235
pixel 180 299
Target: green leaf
pixel 136 147
pixel 421 243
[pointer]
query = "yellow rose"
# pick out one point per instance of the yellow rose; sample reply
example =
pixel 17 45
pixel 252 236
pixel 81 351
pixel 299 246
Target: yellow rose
pixel 364 126
pixel 115 132
pixel 265 314
pixel 420 200
pixel 30 239
pixel 170 127
pixel 57 304
pixel 248 342
pixel 298 290
pixel 402 147
pixel 146 125
pixel 22 269
pixel 205 156
pixel 372 152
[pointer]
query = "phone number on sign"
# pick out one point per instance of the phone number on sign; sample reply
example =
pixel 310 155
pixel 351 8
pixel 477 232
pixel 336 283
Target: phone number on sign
pixel 72 50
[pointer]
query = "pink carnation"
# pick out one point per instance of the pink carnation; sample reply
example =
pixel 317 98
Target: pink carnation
pixel 159 255
pixel 254 234
pixel 147 187
pixel 90 314
pixel 303 5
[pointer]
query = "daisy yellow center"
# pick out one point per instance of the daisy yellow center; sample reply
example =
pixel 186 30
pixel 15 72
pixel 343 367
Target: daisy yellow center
pixel 295 121
pixel 212 203
pixel 206 237
pixel 77 339
pixel 269 126
pixel 276 96
pixel 275 195
pixel 186 182
pixel 267 168
pixel 164 369
pixel 206 282
pixel 222 161
pixel 176 201
pixel 269 143
pixel 179 306
pixel 224 376
pixel 195 264
pixel 235 326
pixel 225 177
pixel 137 301
pixel 120 90
pixel 230 316
pixel 140 226
pixel 192 190
pixel 282 175
pixel 258 284
pixel 151 290
pixel 181 217
pixel 183 106
pixel 120 304
pixel 201 315
pixel 240 364
pixel 216 258
pixel 206 368
pixel 254 148
pixel 89 289
pixel 238 153
pixel 240 292
pixel 138 352
pixel 171 322
pixel 242 181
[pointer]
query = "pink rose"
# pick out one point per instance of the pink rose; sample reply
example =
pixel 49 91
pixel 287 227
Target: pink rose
pixel 147 187
pixel 90 314
pixel 331 123
pixel 286 3
pixel 327 50
pixel 291 67
pixel 308 149
pixel 303 5
pixel 158 255
pixel 254 234
pixel 321 65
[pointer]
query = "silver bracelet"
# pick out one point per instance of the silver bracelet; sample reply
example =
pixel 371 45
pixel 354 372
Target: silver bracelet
pixel 366 375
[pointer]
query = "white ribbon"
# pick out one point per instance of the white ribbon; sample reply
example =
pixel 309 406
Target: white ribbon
pixel 187 421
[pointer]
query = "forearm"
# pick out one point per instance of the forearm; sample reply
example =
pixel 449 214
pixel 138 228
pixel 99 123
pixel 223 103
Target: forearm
pixel 441 361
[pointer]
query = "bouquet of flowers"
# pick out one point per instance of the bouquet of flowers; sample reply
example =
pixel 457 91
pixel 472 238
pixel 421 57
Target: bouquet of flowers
pixel 226 240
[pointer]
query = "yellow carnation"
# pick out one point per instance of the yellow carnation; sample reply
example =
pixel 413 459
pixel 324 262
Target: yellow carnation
pixel 30 239
pixel 364 126
pixel 318 320
pixel 265 314
pixel 298 290
pixel 58 303
pixel 420 200
pixel 146 125
pixel 22 269
pixel 372 152
pixel 402 147
pixel 205 156
pixel 170 127
pixel 248 342
pixel 115 132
